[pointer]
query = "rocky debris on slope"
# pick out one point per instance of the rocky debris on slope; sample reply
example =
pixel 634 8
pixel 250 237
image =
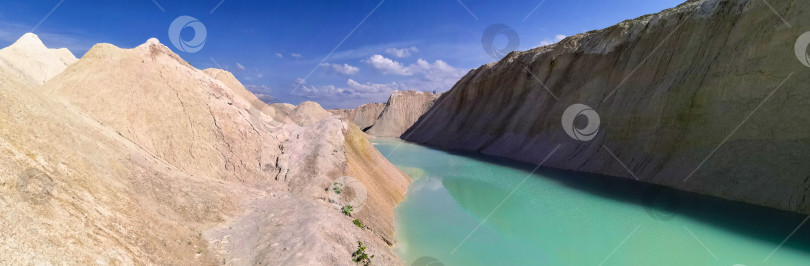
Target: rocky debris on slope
pixel 363 116
pixel 156 160
pixel 31 62
pixel 401 111
pixel 670 89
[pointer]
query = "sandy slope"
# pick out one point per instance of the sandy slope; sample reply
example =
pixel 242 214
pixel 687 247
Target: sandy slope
pixel 149 160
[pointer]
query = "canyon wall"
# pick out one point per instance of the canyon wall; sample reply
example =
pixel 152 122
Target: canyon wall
pixel 363 116
pixel 401 110
pixel 706 97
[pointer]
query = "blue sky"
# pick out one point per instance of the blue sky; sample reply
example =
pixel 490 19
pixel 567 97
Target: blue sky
pixel 283 48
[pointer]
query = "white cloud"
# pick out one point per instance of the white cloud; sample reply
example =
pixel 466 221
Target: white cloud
pixel 279 55
pixel 420 76
pixel 344 69
pixel 240 66
pixel 424 76
pixel 436 76
pixel 368 87
pixel 295 55
pixel 351 90
pixel 557 38
pixel 387 66
pixel 401 53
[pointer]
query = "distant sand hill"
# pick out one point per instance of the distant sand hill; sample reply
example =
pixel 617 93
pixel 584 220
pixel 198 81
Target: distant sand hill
pixel 392 118
pixel 33 63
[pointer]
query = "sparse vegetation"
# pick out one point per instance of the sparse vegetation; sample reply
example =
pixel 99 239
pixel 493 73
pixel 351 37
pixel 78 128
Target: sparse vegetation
pixel 337 187
pixel 358 223
pixel 360 256
pixel 346 210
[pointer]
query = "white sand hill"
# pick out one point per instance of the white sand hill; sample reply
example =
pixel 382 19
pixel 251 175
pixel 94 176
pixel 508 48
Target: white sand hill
pixel 32 62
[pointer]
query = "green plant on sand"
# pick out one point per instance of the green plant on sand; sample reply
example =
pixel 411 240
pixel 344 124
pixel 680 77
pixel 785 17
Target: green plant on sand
pixel 358 223
pixel 360 256
pixel 346 210
pixel 337 187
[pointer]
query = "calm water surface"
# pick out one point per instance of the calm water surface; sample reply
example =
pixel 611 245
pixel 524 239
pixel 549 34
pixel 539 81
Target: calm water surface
pixel 564 218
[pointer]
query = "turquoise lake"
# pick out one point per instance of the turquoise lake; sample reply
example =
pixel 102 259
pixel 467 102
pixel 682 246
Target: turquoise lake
pixel 468 209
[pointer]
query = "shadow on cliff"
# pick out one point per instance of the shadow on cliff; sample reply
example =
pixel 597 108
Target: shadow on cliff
pixel 662 203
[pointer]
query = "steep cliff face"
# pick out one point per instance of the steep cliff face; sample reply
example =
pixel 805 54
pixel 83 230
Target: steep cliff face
pixel 401 111
pixel 705 97
pixel 134 156
pixel 363 116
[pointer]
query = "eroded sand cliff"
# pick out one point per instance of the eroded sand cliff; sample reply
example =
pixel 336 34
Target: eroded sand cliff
pixel 401 111
pixel 363 116
pixel 392 118
pixel 706 97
